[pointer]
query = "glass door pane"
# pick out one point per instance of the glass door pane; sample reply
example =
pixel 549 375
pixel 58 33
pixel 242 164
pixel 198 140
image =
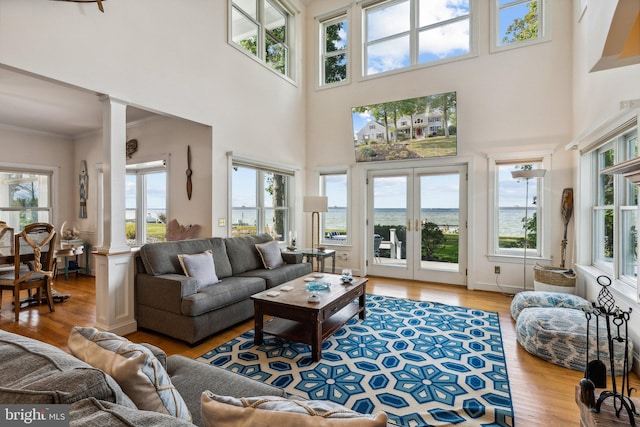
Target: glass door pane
pixel 389 219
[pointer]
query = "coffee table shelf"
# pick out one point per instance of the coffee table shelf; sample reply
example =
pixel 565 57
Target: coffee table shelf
pixel 299 331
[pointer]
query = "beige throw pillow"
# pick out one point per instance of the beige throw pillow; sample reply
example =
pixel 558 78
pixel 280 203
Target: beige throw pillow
pixel 133 366
pixel 264 411
pixel 270 254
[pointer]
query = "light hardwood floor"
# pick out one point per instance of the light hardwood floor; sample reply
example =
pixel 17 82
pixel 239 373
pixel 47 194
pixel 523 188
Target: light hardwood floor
pixel 542 393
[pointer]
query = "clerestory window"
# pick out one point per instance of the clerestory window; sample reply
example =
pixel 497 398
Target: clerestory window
pixel 399 34
pixel 334 49
pixel 263 30
pixel 518 22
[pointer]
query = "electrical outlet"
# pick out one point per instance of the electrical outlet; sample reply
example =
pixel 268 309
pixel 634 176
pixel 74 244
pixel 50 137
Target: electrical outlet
pixel 496 269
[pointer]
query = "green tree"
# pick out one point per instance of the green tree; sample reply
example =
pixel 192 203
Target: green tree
pixel 335 67
pixel 276 187
pixel 445 103
pixel 523 28
pixel 432 238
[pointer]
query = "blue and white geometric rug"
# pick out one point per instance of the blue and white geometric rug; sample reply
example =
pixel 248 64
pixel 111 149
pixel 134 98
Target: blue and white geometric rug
pixel 423 363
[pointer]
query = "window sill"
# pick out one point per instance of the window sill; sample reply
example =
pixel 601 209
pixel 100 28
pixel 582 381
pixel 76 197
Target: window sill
pixel 619 289
pixel 518 259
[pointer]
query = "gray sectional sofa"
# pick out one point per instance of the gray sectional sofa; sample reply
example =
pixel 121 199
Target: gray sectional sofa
pixel 169 302
pixel 34 372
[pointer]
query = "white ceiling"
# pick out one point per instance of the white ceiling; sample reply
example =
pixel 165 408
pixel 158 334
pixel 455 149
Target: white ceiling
pixel 43 105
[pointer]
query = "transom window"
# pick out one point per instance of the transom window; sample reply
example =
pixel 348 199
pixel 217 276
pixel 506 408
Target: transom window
pixel 262 29
pixel 25 197
pixel 404 33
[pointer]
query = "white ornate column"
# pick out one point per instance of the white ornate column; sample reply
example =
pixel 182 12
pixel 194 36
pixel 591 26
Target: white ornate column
pixel 114 260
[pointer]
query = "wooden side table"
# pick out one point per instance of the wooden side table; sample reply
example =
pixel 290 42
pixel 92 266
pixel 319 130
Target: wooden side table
pixel 606 416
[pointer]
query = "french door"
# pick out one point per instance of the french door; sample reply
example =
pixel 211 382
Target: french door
pixel 417 223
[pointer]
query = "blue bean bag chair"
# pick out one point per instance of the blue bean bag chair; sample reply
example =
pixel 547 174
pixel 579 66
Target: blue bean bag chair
pixel 528 299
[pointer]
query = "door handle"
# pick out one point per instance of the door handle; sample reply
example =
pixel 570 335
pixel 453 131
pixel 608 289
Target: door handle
pixel 417 225
pixel 408 225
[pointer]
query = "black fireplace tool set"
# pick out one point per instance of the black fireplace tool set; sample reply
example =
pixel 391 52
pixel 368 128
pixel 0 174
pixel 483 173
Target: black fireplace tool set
pixel 616 321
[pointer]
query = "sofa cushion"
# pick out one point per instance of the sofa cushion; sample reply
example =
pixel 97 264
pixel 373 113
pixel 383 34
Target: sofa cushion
pixel 230 291
pixel 278 276
pixel 36 372
pixel 162 258
pixel 91 412
pixel 226 411
pixel 201 267
pixel 243 254
pixel 134 366
pixel 270 254
pixel 192 378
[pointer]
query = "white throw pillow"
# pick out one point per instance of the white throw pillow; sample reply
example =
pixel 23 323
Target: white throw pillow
pixel 134 367
pixel 270 254
pixel 201 267
pixel 226 411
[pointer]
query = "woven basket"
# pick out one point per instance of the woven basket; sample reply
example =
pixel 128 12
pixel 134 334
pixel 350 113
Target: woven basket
pixel 550 278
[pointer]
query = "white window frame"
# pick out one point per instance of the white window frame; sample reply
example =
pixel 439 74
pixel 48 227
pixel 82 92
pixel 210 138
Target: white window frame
pixel 414 34
pixel 141 169
pixel 322 192
pixel 614 268
pixel 263 167
pixel 323 22
pixel 544 26
pixel 290 42
pixel 51 172
pixel 543 249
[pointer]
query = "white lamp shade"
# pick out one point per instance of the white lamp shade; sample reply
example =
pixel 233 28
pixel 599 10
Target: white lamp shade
pixel 528 173
pixel 315 204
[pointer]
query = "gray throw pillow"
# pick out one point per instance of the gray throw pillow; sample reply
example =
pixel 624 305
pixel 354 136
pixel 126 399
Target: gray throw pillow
pixel 270 254
pixel 201 267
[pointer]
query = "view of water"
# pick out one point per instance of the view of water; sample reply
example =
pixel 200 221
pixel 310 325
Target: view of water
pixel 510 219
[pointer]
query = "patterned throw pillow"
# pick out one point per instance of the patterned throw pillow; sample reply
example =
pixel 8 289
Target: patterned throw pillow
pixel 133 366
pixel 226 411
pixel 200 267
pixel 270 254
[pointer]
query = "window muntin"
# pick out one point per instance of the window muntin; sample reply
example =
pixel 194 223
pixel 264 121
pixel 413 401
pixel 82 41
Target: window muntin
pixel 262 28
pixel 512 215
pixel 25 197
pixel 395 39
pixel 334 48
pixel 335 222
pixel 518 22
pixel 146 203
pixel 260 202
pixel 615 210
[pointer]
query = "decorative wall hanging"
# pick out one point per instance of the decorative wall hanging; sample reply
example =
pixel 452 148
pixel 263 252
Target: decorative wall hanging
pixel 88 1
pixel 132 147
pixel 84 188
pixel 175 231
pixel 189 172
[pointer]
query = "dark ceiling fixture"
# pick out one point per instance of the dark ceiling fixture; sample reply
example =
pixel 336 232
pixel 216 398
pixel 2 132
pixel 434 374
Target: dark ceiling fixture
pixel 88 1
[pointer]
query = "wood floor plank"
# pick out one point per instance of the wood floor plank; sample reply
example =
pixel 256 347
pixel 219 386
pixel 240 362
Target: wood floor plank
pixel 542 393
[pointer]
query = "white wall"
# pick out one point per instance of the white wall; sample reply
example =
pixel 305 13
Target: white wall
pixel 596 98
pixel 170 56
pixel 508 102
pixel 28 148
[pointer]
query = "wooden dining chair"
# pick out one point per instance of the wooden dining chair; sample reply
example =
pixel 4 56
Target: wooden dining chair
pixel 35 245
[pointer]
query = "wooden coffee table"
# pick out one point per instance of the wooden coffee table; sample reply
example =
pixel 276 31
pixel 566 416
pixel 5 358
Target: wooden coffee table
pixel 297 319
